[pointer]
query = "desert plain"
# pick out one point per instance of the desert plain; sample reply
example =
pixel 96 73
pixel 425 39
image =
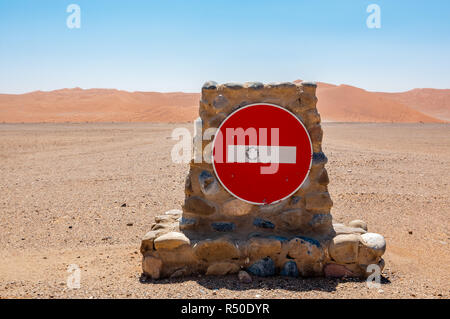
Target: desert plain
pixel 85 194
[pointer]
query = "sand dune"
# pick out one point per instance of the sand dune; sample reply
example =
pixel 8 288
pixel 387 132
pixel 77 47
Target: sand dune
pixel 346 103
pixel 432 102
pixel 341 103
pixel 98 105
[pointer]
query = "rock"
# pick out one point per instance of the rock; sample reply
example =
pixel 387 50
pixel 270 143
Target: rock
pixel 374 242
pixel 263 268
pixel 281 85
pixel 309 84
pixel 259 222
pixel 199 206
pixel 187 223
pixel 129 224
pixel 171 241
pixel 216 120
pixel 151 266
pixel 147 241
pixel 179 273
pixel 166 218
pixel 259 247
pixel 272 208
pixel 296 200
pixel 216 250
pixel 319 158
pixel 294 218
pixel 223 226
pixel 318 201
pixel 290 269
pixel 342 229
pixel 233 86
pixel 123 205
pixel 305 249
pixel 279 238
pixel 323 178
pixel 165 226
pixel 344 248
pixel 220 101
pixel 236 207
pixel 320 220
pixel 357 223
pixel 208 183
pixel 255 85
pixel 222 268
pixel 337 271
pixel 176 213
pixel 244 277
pixel 210 85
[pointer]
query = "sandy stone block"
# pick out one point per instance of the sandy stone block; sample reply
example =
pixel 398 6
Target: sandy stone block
pixel 216 250
pixel 374 242
pixel 263 247
pixel 273 208
pixel 340 229
pixel 147 241
pixel 222 268
pixel 209 91
pixel 311 118
pixel 176 213
pixel 358 224
pixel 217 119
pixel 199 206
pixel 305 249
pixel 344 248
pixel 171 241
pixel 208 184
pixel 151 266
pixel 316 133
pixel 323 178
pixel 293 219
pixel 318 201
pixel 236 207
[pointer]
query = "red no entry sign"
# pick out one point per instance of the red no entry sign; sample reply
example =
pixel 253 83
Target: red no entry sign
pixel 262 153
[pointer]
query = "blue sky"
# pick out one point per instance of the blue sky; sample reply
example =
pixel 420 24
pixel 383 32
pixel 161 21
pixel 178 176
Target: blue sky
pixel 176 45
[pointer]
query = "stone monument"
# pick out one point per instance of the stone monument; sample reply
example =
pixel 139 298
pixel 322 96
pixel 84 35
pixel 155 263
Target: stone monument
pixel 218 234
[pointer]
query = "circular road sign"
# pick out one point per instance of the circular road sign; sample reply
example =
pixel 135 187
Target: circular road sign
pixel 262 153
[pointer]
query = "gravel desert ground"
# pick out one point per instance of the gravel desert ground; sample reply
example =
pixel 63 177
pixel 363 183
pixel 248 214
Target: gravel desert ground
pixel 85 194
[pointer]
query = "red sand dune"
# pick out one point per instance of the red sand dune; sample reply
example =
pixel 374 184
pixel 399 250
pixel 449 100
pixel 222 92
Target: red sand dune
pixel 341 103
pixel 346 103
pixel 432 102
pixel 98 105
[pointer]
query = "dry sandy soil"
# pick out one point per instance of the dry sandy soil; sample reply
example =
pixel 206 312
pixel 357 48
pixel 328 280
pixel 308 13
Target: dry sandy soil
pixel 62 187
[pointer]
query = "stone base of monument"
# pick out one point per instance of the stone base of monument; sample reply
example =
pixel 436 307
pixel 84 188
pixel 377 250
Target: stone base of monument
pixel 169 251
pixel 218 234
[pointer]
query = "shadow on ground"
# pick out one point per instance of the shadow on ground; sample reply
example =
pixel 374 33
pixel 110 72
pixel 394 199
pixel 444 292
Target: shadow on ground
pixel 231 282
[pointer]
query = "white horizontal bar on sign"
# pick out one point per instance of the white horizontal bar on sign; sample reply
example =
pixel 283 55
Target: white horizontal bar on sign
pixel 261 154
